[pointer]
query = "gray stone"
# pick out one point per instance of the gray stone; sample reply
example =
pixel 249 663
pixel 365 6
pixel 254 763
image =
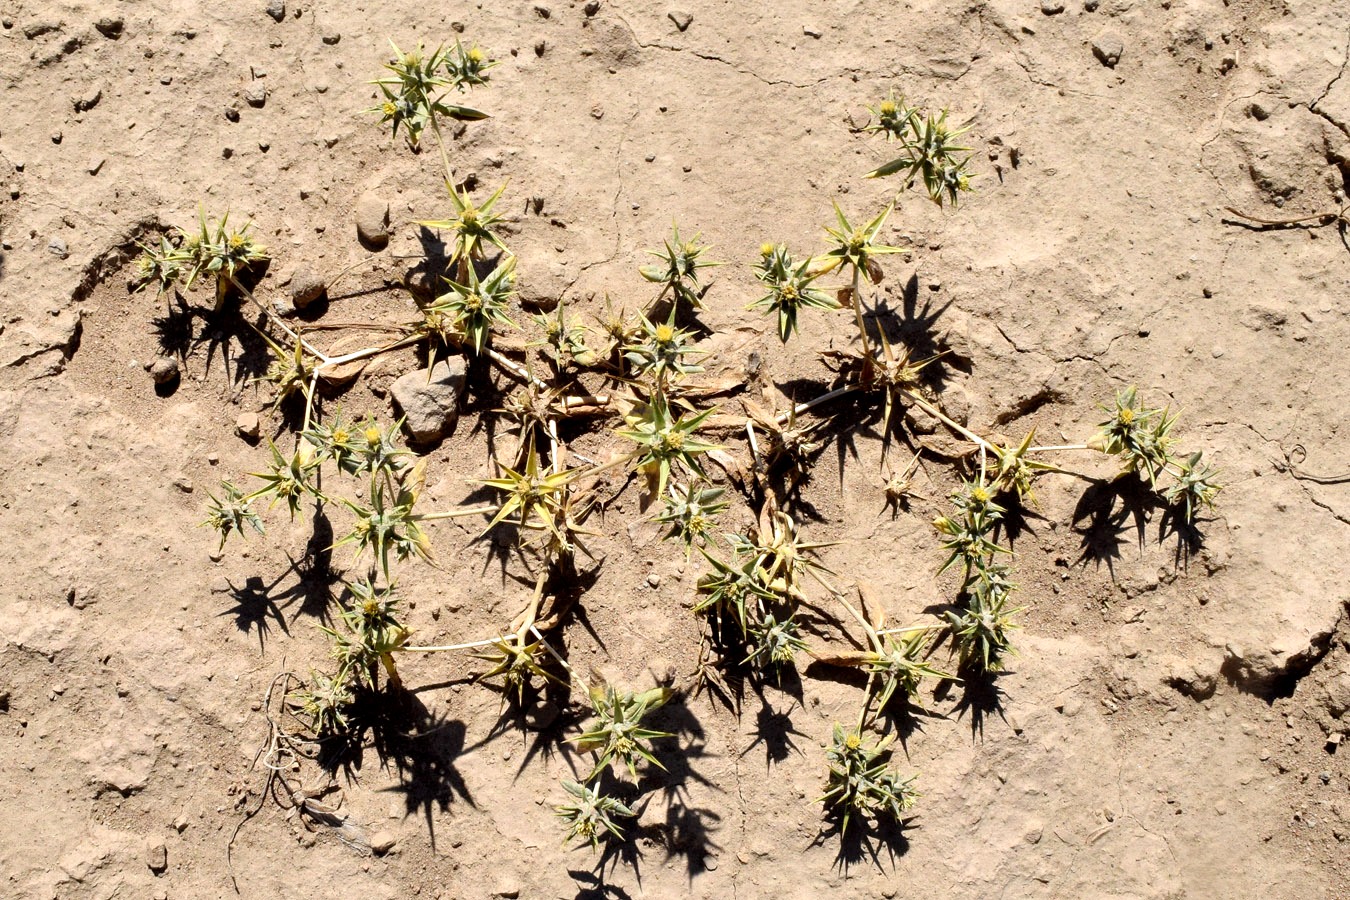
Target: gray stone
pixel 383 841
pixel 38 29
pixel 592 8
pixel 428 400
pixel 372 221
pixel 157 858
pixel 164 370
pixel 681 19
pixel 57 247
pixel 330 38
pixel 1108 47
pixel 110 27
pixel 1052 7
pixel 255 95
pixel 306 287
pixel 276 9
pixel 88 100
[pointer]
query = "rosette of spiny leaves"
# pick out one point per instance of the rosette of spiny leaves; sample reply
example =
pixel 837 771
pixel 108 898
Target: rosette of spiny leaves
pixel 981 631
pixel 664 438
pixel 515 661
pixel 356 447
pixel 467 67
pixel 564 337
pixel 662 349
pixel 861 783
pixel 857 247
pixel 617 735
pixel 1195 486
pixel 779 554
pixel 896 660
pixel 476 306
pixel 591 815
pixel 472 227
pixel 290 372
pixel 325 701
pixel 165 264
pixel 790 286
pixel 1014 471
pixel 619 329
pixel 413 95
pixel 372 635
pixel 288 478
pixel 231 512
pixel 732 590
pixel 929 150
pixel 220 251
pixel 1141 436
pixel 678 270
pixel 690 510
pixel 389 524
pixel 968 536
pixel 531 492
pixel 773 643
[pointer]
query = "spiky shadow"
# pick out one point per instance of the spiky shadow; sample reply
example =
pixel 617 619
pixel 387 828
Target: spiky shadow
pixel 419 745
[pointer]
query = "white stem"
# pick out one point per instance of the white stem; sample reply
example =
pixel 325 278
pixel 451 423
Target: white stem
pixel 450 647
pixel 809 404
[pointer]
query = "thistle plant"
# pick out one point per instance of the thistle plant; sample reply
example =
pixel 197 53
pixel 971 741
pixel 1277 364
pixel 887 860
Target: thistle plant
pixel 860 782
pixel 790 288
pixel 690 510
pixel 677 271
pixel 324 700
pixel 414 94
pixel 531 493
pixel 617 735
pixel 661 350
pixel 590 816
pixel 472 228
pixel 896 660
pixel 968 536
pixel 231 512
pixel 388 525
pixel 664 439
pixel 372 635
pixel 211 250
pixel 290 372
pixel 857 248
pixel 164 265
pixel 1139 435
pixel 516 660
pixel 564 338
pixel 981 631
pixel 1195 486
pixel 287 479
pixel 476 306
pixel 929 150
pixel 773 643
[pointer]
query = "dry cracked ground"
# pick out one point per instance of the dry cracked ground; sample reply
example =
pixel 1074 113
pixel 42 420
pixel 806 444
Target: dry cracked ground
pixel 1170 726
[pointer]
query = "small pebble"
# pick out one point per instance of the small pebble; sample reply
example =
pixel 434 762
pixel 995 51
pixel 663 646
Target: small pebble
pixel 56 137
pixel 231 114
pixel 1052 7
pixel 57 247
pixel 591 8
pixel 276 9
pixel 381 842
pixel 110 27
pixel 256 95
pixel 681 19
pixel 331 38
pixel 164 369
pixel 248 426
pixel 811 31
pixel 1108 47
pixel 96 165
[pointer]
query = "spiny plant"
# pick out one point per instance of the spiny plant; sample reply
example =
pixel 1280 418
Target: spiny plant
pixel 929 149
pixel 754 582
pixel 216 251
pixel 861 784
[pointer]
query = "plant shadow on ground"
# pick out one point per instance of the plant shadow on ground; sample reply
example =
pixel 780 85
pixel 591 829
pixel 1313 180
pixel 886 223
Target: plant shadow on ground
pixel 258 604
pixel 183 328
pixel 865 840
pixel 1109 509
pixel 419 745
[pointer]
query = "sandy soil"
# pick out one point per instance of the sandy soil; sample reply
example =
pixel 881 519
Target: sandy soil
pixel 1169 727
